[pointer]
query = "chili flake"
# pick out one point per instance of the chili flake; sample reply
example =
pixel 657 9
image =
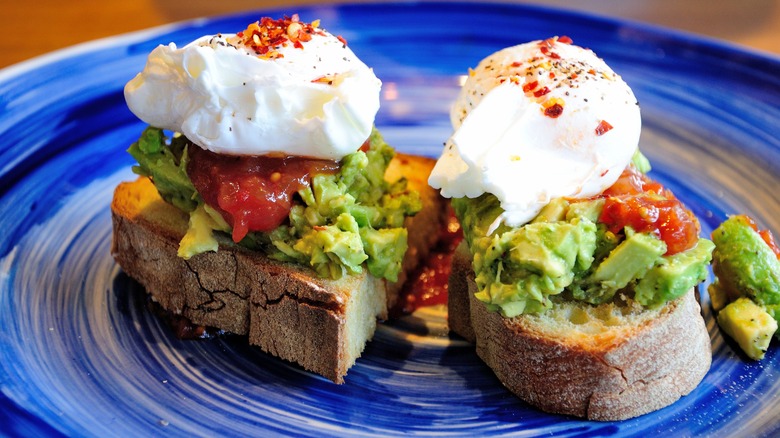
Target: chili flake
pixel 548 44
pixel 530 86
pixel 603 127
pixel 541 92
pixel 553 107
pixel 324 80
pixel 565 40
pixel 266 36
pixel 553 111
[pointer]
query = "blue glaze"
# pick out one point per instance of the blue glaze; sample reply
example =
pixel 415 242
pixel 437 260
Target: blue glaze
pixel 80 354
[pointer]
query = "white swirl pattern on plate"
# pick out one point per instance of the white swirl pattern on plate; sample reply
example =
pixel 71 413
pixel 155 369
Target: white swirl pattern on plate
pixel 81 354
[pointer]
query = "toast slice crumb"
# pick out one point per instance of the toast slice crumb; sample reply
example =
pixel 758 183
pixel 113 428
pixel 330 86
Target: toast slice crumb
pixel 283 308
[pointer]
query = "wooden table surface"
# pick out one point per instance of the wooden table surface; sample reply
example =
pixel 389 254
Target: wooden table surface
pixel 37 27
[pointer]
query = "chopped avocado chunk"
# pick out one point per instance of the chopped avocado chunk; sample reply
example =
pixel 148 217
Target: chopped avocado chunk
pixel 744 264
pixel 718 297
pixel 774 311
pixel 590 209
pixel 554 211
pixel 385 250
pixel 166 164
pixel 333 249
pixel 674 275
pixel 629 261
pixel 748 324
pixel 200 237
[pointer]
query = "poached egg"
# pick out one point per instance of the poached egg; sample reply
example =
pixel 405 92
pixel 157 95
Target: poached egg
pixel 279 87
pixel 538 121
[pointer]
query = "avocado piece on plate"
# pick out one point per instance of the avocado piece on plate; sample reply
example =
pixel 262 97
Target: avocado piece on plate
pixel 748 324
pixel 746 292
pixel 744 263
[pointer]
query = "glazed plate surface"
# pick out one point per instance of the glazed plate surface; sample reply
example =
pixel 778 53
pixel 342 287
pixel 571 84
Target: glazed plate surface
pixel 80 354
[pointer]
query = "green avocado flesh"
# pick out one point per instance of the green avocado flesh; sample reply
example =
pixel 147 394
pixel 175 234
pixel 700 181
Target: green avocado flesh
pixel 744 264
pixel 749 324
pixel 339 224
pixel 565 252
pixel 746 292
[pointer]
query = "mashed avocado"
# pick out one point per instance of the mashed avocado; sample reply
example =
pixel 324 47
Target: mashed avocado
pixel 746 292
pixel 565 252
pixel 342 221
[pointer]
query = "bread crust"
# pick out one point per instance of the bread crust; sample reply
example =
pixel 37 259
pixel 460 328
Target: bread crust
pixel 458 302
pixel 616 373
pixel 285 309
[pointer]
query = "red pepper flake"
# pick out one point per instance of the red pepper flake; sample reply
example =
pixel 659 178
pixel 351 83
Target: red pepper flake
pixel 530 86
pixel 546 51
pixel 552 75
pixel 343 41
pixel 266 36
pixel 546 45
pixel 541 92
pixel 553 111
pixel 553 107
pixel 516 64
pixel 565 40
pixel 603 128
pixel 323 80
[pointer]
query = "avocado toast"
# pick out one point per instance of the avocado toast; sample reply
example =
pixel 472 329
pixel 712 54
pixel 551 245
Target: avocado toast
pixel 268 204
pixel 577 273
pixel 284 308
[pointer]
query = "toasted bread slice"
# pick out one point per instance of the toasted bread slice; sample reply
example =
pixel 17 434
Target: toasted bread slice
pixel 606 362
pixel 285 309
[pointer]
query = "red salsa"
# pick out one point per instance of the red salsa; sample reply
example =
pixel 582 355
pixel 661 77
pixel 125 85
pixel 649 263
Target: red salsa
pixel 646 206
pixel 427 286
pixel 252 193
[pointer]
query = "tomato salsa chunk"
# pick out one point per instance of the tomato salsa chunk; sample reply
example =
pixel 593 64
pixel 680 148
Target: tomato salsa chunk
pixel 646 206
pixel 252 193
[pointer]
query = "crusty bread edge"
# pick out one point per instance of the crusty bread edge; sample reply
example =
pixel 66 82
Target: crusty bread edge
pixel 648 368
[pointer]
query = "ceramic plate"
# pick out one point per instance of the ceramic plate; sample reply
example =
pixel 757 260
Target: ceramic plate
pixel 80 354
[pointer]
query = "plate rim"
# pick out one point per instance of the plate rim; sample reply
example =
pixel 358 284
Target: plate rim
pixel 146 34
pixel 82 48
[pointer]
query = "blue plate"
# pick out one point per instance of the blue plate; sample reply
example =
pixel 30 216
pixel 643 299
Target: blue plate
pixel 80 354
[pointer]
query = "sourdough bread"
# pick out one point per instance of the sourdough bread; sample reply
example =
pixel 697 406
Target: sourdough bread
pixel 283 308
pixel 606 362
